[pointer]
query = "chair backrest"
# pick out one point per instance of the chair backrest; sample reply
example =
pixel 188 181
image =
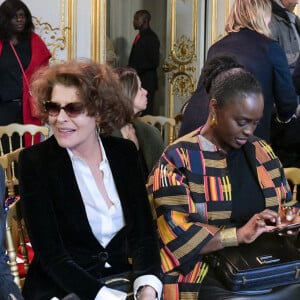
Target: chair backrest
pixel 20 130
pixel 178 120
pixel 15 228
pixel 165 125
pixel 293 175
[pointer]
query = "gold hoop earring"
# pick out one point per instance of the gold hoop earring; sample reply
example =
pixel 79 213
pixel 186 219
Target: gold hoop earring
pixel 213 122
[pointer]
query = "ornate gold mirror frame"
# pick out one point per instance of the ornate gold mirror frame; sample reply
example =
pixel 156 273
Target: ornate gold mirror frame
pixel 182 56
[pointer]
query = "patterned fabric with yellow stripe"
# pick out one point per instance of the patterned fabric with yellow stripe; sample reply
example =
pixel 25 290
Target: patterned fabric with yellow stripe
pixel 190 190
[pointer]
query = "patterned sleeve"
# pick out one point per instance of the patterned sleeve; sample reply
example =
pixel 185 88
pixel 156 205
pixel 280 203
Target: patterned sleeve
pixel 181 236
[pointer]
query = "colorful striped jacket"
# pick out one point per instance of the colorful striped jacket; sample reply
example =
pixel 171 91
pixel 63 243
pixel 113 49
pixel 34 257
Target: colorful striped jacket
pixel 189 189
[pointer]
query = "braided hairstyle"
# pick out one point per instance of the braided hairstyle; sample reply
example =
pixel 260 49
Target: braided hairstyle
pixel 226 80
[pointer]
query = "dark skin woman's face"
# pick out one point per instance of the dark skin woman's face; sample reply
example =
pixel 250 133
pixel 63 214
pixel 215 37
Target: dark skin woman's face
pixel 237 120
pixel 18 21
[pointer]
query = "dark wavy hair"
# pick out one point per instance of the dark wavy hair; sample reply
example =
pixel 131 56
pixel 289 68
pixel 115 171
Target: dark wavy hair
pixel 225 79
pixel 8 10
pixel 99 90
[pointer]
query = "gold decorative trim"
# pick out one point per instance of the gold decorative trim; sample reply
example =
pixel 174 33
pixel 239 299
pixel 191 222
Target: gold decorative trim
pixel 71 38
pixel 227 10
pixel 181 59
pixel 54 37
pixel 98 30
pixel 214 21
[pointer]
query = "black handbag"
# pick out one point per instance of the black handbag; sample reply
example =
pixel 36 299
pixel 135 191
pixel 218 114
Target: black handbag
pixel 270 261
pixel 121 282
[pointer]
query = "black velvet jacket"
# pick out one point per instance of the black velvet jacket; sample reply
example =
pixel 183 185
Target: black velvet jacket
pixel 68 258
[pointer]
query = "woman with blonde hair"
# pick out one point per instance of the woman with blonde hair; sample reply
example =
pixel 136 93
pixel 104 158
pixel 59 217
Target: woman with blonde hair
pixel 248 40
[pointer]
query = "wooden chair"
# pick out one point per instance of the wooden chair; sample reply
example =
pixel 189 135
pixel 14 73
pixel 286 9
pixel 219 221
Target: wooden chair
pixel 20 130
pixel 165 125
pixel 293 175
pixel 15 228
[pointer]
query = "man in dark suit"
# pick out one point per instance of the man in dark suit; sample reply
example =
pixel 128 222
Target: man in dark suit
pixel 144 56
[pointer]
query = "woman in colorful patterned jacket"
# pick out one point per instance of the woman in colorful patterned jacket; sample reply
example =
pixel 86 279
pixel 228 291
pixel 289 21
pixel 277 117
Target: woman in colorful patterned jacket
pixel 217 186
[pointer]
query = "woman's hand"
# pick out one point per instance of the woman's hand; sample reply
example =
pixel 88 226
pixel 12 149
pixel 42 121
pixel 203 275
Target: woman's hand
pixel 146 293
pixel 288 216
pixel 257 225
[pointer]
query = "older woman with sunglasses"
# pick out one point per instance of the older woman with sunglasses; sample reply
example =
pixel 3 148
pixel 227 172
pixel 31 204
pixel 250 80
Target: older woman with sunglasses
pixel 83 197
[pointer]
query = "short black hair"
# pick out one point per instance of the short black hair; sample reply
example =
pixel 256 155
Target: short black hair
pixel 225 79
pixel 145 13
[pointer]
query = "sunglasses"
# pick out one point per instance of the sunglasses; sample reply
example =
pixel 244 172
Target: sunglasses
pixel 72 109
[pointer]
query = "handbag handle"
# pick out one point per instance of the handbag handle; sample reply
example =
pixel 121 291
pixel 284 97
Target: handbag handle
pixel 20 64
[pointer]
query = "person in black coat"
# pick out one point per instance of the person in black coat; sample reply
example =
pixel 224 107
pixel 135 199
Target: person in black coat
pixel 144 56
pixel 248 42
pixel 82 193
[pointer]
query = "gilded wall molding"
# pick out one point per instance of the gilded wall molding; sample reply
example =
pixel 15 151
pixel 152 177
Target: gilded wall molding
pixel 54 37
pixel 182 57
pixel 98 30
pixel 72 20
pixel 61 41
pixel 215 20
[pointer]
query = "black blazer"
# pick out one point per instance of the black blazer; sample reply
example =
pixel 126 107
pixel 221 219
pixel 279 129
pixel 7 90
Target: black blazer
pixel 144 58
pixel 68 258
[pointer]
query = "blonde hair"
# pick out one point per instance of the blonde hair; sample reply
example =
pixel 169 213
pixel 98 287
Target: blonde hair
pixel 249 14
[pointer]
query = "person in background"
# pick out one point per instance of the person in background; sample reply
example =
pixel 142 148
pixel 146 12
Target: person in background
pixel 147 138
pixel 83 197
pixel 217 186
pixel 144 56
pixel 8 288
pixel 248 41
pixel 285 28
pixel 296 76
pixel 16 33
pixel 285 141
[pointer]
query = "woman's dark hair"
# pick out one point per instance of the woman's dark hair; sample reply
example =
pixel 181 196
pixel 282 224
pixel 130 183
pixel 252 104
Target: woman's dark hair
pixel 225 79
pixel 99 90
pixel 8 10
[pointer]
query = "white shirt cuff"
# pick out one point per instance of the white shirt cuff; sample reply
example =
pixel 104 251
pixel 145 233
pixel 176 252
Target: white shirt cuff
pixel 111 294
pixel 151 280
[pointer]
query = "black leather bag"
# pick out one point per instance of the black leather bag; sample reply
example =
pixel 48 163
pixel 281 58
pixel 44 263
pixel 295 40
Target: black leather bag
pixel 121 282
pixel 268 262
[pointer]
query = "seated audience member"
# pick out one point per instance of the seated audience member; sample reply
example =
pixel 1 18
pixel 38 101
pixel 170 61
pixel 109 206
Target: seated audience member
pixel 7 284
pixel 285 139
pixel 248 41
pixel 217 186
pixel 147 138
pixel 82 194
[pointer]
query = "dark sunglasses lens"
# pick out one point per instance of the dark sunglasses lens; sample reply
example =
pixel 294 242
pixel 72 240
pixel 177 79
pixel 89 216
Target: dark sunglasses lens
pixel 71 109
pixel 52 108
pixel 74 109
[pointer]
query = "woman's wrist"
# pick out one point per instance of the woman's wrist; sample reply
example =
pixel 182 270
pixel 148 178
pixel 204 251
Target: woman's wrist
pixel 228 237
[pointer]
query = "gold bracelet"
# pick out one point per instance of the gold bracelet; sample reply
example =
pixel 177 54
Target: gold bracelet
pixel 228 237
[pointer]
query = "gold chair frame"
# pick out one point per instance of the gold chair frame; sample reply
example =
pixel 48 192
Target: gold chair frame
pixel 15 228
pixel 21 129
pixel 293 175
pixel 161 122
